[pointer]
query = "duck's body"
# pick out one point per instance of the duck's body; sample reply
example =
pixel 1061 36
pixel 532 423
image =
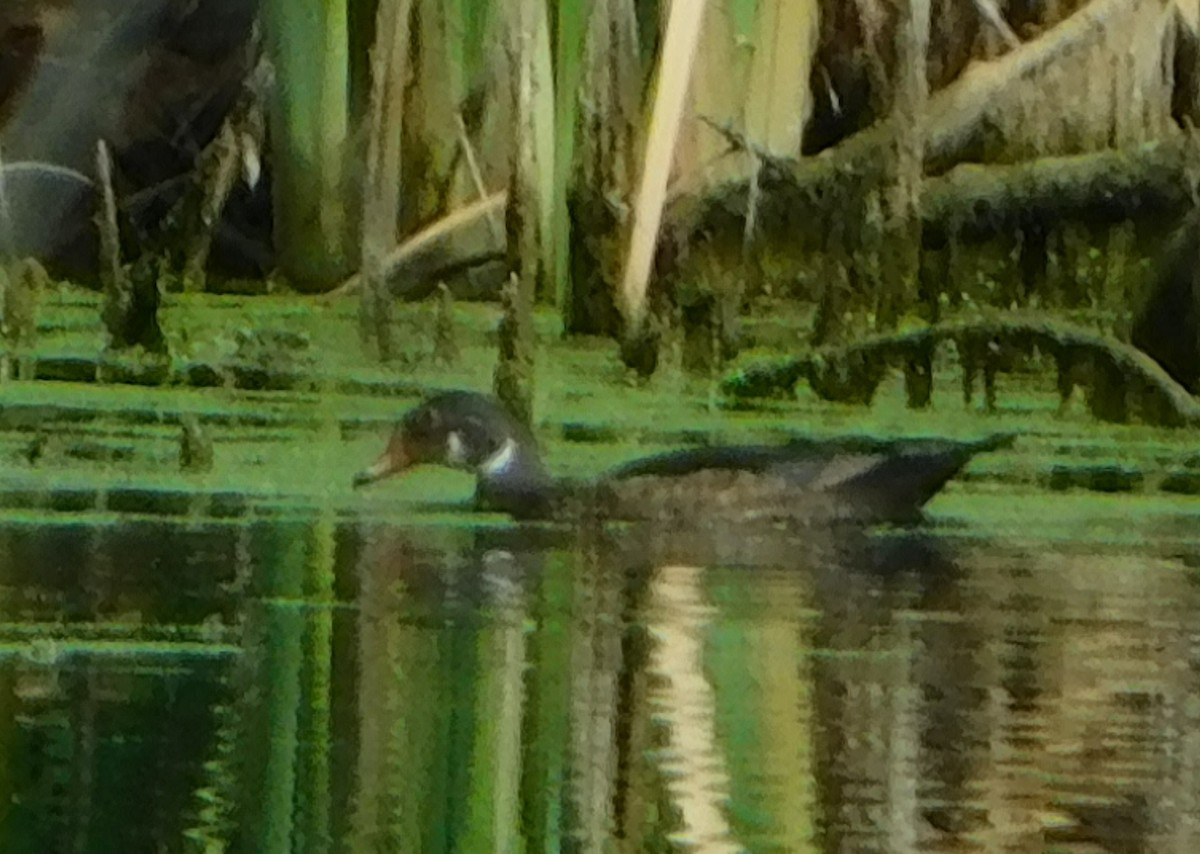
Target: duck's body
pixel 805 480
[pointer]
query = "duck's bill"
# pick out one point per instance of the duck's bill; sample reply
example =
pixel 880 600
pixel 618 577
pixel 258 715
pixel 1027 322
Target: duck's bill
pixel 386 466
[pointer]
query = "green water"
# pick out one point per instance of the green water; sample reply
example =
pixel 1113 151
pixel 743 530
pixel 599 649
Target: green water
pixel 260 658
pixel 319 682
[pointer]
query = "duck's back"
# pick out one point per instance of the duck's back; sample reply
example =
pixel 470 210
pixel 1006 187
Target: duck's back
pixel 818 481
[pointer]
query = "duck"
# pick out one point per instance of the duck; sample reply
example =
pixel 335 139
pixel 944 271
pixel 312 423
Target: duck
pixel 839 480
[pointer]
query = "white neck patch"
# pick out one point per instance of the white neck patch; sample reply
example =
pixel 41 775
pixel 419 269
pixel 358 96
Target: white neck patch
pixel 499 462
pixel 456 451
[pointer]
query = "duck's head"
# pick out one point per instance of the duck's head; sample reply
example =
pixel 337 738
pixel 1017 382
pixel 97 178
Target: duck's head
pixel 461 430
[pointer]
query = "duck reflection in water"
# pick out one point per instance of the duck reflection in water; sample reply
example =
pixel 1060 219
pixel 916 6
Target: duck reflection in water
pixel 582 641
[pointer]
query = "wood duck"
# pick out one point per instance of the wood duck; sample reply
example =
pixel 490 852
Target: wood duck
pixel 846 480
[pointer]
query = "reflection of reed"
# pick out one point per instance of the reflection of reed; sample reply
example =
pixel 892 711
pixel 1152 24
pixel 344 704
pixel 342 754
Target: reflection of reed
pixel 316 722
pixel 868 703
pixel 84 761
pixel 547 703
pixel 786 751
pixel 696 775
pixel 1087 655
pixel 902 729
pixel 1110 654
pixel 494 815
pixel 596 664
pixel 96 577
pixel 217 789
pixel 759 658
pixel 440 699
pixel 386 647
pixel 275 644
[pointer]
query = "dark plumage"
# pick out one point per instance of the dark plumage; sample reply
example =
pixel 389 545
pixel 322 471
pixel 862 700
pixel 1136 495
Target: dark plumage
pixel 840 480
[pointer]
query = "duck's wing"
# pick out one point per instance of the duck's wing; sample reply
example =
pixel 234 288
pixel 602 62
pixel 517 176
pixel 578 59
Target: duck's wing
pixel 891 485
pixel 753 458
pixel 698 496
pixel 874 482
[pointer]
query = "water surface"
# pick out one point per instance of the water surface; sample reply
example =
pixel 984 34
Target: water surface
pixel 1021 675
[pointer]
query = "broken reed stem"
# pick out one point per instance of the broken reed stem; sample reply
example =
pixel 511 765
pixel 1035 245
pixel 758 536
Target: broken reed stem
pixel 381 192
pixel 8 234
pixel 513 377
pixel 464 140
pixel 117 293
pixel 220 171
pixel 106 223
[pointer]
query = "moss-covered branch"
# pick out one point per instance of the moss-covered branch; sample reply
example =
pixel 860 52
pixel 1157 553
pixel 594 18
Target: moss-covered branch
pixel 1121 381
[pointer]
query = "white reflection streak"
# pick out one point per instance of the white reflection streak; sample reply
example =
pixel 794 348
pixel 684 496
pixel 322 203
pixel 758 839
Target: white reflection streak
pixel 692 763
